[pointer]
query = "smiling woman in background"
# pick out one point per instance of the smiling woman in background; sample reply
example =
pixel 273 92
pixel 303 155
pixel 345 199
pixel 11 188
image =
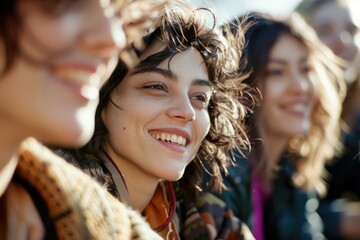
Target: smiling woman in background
pixel 293 130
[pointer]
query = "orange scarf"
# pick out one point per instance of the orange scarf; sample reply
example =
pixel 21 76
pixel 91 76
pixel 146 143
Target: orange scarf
pixel 157 213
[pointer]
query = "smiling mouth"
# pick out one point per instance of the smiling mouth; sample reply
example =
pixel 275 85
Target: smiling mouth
pixel 85 82
pixel 296 108
pixel 170 138
pixel 79 77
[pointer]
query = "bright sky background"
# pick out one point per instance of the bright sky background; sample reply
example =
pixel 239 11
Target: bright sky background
pixel 228 9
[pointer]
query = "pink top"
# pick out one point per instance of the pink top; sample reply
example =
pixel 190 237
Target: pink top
pixel 259 197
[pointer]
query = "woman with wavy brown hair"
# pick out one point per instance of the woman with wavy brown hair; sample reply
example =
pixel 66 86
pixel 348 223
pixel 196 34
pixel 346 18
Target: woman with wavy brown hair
pixel 174 114
pixel 293 130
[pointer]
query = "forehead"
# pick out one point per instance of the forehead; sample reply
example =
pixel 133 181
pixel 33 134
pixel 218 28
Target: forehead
pixel 288 44
pixel 189 58
pixel 154 48
pixel 187 66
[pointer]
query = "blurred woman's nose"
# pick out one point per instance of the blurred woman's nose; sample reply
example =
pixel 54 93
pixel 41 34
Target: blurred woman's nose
pixel 337 45
pixel 182 109
pixel 104 35
pixel 300 82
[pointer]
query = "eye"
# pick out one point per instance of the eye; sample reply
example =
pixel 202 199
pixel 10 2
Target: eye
pixel 305 69
pixel 201 97
pixel 274 72
pixel 58 8
pixel 351 29
pixel 200 100
pixel 156 86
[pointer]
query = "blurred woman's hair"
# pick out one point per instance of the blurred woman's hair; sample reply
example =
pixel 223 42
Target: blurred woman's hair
pixel 312 149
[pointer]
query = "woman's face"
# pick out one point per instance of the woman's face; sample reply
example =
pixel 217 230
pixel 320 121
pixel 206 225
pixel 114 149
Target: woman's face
pixel 51 91
pixel 335 27
pixel 288 91
pixel 163 117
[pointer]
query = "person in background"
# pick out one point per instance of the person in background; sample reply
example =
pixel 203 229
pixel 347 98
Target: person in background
pixel 293 130
pixel 337 25
pixel 173 114
pixel 55 55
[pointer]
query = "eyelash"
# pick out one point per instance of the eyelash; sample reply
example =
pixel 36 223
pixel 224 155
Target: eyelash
pixel 277 72
pixel 202 103
pixel 203 98
pixel 157 86
pixel 274 72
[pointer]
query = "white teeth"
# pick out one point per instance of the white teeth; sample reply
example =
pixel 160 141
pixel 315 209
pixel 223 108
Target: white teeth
pixel 90 92
pixel 298 107
pixel 95 80
pixel 167 137
pixel 173 138
pixel 79 77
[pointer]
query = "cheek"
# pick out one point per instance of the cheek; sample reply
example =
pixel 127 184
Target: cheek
pixel 112 120
pixel 313 91
pixel 273 89
pixel 268 111
pixel 60 31
pixel 202 126
pixel 119 131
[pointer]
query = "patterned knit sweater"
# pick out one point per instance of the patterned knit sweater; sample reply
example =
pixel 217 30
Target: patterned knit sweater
pixel 73 204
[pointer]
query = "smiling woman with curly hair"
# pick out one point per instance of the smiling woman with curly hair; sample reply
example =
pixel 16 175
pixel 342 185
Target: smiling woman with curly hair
pixel 171 118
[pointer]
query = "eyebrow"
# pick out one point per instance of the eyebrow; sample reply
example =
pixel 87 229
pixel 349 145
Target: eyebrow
pixel 170 75
pixel 284 62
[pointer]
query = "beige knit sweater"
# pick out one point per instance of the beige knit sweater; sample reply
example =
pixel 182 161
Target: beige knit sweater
pixel 78 206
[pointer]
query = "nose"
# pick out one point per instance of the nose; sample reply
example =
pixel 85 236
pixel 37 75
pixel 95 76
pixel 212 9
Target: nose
pixel 300 82
pixel 104 35
pixel 181 109
pixel 337 45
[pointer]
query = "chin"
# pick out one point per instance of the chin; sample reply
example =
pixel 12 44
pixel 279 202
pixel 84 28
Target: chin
pixel 82 128
pixel 175 176
pixel 67 137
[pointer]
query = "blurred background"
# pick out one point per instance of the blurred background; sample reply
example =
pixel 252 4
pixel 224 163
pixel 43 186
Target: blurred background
pixel 228 9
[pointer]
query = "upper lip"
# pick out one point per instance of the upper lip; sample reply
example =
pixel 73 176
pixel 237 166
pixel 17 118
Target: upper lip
pixel 84 66
pixel 177 131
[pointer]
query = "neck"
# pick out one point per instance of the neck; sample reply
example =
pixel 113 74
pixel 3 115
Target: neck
pixel 276 147
pixel 140 185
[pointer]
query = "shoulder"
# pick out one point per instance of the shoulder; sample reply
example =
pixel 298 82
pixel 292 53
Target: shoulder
pixel 209 215
pixel 238 176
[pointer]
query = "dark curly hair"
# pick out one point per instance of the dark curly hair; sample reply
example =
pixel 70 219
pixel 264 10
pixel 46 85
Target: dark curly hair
pixel 181 28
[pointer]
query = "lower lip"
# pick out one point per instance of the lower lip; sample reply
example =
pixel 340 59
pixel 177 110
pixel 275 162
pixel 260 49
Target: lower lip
pixel 80 91
pixel 296 114
pixel 173 147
